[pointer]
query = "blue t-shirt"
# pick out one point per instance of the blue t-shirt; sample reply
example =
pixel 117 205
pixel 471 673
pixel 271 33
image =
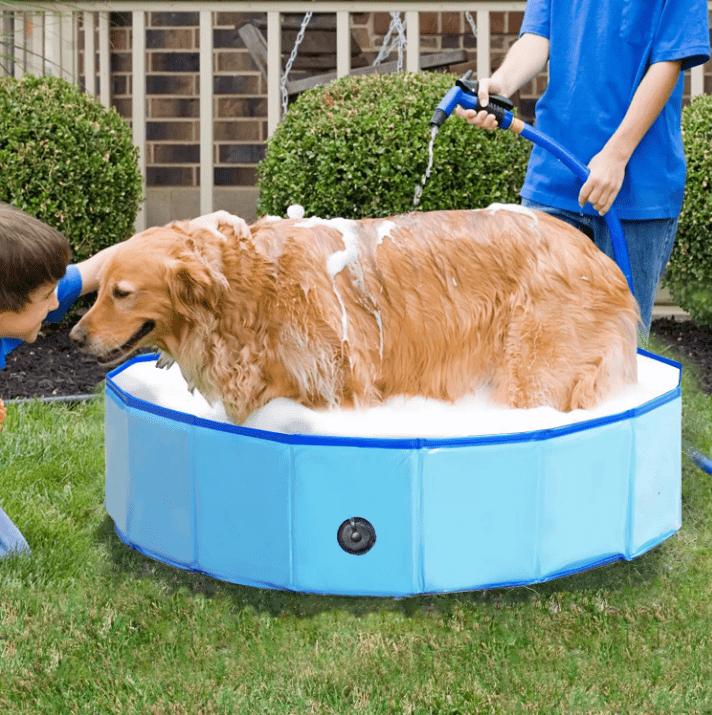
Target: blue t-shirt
pixel 599 50
pixel 68 290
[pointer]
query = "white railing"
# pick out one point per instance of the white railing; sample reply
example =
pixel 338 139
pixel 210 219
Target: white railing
pixel 44 41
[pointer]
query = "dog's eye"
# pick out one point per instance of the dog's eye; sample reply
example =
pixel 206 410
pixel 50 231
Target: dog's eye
pixel 118 293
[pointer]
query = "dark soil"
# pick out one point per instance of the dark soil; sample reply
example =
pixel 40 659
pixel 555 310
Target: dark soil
pixel 690 341
pixel 52 366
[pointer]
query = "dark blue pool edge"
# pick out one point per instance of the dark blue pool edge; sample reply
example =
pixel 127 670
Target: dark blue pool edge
pixel 121 396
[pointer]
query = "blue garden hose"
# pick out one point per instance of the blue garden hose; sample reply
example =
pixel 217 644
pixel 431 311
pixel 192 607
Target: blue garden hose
pixel 464 93
pixel 702 461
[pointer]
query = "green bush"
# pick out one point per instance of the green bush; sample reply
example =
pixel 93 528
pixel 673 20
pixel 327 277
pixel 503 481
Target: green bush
pixel 69 161
pixel 358 148
pixel 689 274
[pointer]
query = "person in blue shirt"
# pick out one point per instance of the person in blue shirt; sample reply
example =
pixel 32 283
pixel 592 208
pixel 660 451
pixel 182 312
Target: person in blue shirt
pixel 36 281
pixel 36 284
pixel 614 100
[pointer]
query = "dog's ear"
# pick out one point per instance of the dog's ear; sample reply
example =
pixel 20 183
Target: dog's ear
pixel 194 286
pixel 196 279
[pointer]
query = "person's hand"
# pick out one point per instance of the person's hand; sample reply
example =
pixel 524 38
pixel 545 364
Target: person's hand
pixel 482 119
pixel 604 182
pixel 3 413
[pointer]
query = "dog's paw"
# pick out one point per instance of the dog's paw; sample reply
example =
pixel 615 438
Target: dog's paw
pixel 164 361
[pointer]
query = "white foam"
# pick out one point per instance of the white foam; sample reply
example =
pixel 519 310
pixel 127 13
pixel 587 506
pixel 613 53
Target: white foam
pixel 514 208
pixel 383 230
pixel 167 388
pixel 398 417
pixel 340 259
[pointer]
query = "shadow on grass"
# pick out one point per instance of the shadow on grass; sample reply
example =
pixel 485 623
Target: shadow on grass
pixel 127 563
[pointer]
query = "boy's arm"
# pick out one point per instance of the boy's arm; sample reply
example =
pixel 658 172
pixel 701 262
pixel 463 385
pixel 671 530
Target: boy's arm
pixel 90 269
pixel 608 166
pixel 3 413
pixel 80 279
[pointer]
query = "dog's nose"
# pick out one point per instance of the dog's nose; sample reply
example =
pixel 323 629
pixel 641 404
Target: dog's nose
pixel 79 335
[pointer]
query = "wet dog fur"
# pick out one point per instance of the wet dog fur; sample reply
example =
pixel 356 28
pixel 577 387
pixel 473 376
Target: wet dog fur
pixel 349 313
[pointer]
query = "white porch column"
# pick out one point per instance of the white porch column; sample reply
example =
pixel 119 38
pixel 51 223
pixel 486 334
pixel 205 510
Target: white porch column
pixel 138 116
pixel 412 58
pixel 274 70
pixel 206 112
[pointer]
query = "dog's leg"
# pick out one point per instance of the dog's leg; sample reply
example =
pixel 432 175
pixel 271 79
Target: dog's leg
pixel 511 382
pixel 531 372
pixel 586 392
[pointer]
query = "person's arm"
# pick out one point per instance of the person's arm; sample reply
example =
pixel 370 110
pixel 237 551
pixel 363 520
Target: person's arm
pixel 90 269
pixel 525 59
pixel 80 279
pixel 608 166
pixel 3 413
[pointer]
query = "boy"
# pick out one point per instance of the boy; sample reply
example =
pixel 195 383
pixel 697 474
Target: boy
pixel 613 100
pixel 36 282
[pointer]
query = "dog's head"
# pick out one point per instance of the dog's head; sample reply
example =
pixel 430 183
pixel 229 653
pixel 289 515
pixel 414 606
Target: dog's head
pixel 153 288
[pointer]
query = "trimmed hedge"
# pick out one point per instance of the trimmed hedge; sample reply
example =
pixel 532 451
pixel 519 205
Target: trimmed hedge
pixel 359 146
pixel 689 273
pixel 69 161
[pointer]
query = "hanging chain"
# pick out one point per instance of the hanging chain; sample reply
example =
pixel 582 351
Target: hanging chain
pixel 399 41
pixel 468 17
pixel 400 28
pixel 385 49
pixel 290 61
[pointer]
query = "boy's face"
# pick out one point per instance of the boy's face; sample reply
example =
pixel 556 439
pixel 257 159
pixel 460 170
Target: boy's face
pixel 27 322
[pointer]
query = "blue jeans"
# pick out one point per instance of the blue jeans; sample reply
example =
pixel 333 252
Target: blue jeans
pixel 649 243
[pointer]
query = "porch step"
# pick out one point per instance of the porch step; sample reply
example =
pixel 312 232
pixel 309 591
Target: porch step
pixel 665 307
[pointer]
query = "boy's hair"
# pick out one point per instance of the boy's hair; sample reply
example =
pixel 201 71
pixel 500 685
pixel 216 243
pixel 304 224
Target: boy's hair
pixel 32 254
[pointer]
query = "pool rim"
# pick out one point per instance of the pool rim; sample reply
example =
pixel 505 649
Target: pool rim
pixel 389 442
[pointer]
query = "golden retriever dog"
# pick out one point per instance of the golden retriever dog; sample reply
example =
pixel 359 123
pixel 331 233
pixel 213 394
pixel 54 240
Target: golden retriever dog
pixel 334 312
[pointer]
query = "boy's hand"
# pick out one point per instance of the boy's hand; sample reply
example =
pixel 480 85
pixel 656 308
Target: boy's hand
pixel 3 413
pixel 604 182
pixel 482 119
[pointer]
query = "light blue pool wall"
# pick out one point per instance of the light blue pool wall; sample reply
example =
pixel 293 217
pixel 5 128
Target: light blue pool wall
pixel 263 509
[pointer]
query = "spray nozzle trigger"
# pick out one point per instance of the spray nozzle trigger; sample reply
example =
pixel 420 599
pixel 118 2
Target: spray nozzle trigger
pixel 464 93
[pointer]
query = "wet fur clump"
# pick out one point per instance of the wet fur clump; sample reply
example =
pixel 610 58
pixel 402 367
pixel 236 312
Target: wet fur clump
pixel 337 313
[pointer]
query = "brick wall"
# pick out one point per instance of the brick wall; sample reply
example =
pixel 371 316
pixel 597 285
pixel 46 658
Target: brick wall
pixel 240 102
pixel 173 150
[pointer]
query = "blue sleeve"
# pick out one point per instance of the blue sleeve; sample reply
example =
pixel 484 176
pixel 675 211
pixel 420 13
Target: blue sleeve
pixel 7 345
pixel 537 18
pixel 68 290
pixel 683 33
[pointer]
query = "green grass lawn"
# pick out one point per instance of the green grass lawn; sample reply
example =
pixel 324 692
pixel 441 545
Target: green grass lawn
pixel 89 626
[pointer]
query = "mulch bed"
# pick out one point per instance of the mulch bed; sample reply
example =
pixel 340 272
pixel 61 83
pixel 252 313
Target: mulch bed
pixel 52 366
pixel 690 341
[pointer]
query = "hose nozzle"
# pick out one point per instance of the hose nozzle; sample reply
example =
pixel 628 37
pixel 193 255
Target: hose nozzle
pixel 464 93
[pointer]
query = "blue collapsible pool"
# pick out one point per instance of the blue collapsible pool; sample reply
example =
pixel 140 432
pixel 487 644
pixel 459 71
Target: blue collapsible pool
pixel 398 516
pixel 364 516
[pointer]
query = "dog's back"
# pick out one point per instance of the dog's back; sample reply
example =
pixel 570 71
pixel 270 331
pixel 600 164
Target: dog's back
pixel 437 304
